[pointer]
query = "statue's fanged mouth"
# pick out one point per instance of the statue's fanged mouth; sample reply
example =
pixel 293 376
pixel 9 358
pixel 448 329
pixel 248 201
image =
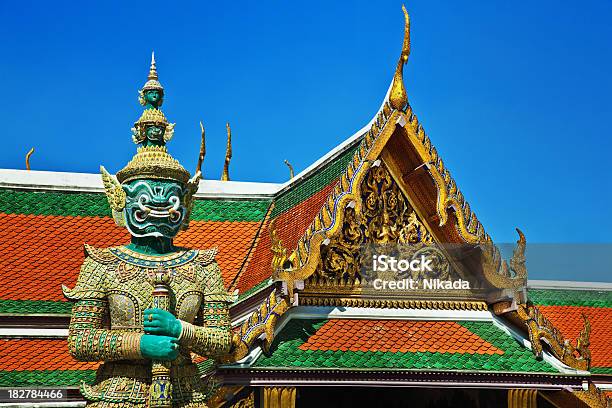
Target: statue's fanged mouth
pixel 146 210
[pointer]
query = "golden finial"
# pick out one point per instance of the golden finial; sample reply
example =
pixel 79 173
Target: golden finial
pixel 398 96
pixel 28 158
pixel 228 154
pixel 202 149
pixel 290 169
pixel 153 69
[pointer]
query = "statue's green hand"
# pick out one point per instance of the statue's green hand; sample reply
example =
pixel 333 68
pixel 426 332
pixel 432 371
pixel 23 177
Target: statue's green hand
pixel 158 347
pixel 161 323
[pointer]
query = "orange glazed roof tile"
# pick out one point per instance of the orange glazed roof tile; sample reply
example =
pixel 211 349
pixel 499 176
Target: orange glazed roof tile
pixel 39 354
pixel 49 249
pixel 404 336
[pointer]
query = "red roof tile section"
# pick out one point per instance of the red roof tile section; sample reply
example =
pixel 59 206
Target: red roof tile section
pixel 234 239
pixel 39 354
pixel 47 249
pixel 290 226
pixel 39 249
pixel 568 319
pixel 404 336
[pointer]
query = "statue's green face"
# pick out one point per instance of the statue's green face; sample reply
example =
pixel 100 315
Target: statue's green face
pixel 154 208
pixel 153 97
pixel 155 135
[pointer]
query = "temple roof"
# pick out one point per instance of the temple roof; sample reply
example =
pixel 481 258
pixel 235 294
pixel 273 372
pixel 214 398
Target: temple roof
pixel 48 216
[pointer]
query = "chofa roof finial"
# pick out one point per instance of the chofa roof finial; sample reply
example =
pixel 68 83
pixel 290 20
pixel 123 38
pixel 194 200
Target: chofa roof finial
pixel 291 174
pixel 398 96
pixel 228 154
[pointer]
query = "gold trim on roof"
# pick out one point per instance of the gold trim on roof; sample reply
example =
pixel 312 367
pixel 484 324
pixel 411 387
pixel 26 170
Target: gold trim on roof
pixel 261 323
pixel 542 331
pixel 394 303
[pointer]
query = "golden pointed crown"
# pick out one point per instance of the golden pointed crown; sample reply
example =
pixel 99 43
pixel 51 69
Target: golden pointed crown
pixel 152 79
pixel 153 162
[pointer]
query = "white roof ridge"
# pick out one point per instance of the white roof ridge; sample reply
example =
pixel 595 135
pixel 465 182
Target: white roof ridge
pixel 567 285
pixel 92 183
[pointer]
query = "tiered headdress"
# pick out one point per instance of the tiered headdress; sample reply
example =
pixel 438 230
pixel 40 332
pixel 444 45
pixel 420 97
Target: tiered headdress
pixel 150 161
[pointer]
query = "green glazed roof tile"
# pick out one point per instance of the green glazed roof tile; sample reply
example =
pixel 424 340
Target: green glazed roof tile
pixel 96 205
pixel 48 378
pixel 34 306
pixel 559 297
pixel 229 210
pixel 53 203
pixel 313 184
pixel 286 353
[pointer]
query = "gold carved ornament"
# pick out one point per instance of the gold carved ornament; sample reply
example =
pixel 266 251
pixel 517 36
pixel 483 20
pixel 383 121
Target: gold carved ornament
pixel 386 217
pixel 528 314
pixel 261 323
pixel 542 330
pixel 593 397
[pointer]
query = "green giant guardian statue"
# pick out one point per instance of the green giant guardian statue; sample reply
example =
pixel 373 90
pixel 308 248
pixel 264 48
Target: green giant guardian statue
pixel 136 306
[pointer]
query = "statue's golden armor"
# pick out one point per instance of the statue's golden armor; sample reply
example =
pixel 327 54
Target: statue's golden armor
pixel 113 289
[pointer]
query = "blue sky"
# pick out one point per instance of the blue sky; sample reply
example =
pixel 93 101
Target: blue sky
pixel 515 97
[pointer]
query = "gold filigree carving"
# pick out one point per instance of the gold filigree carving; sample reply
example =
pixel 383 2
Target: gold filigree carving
pixel 593 397
pixel 497 271
pixel 279 252
pixel 260 323
pixel 541 329
pixel 386 217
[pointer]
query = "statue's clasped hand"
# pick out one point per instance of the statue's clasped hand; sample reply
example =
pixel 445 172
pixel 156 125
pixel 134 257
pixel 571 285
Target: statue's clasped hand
pixel 162 330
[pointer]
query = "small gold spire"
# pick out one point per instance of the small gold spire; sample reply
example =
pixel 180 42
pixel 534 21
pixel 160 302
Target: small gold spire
pixel 398 96
pixel 28 158
pixel 228 154
pixel 153 69
pixel 152 84
pixel 202 149
pixel 290 169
